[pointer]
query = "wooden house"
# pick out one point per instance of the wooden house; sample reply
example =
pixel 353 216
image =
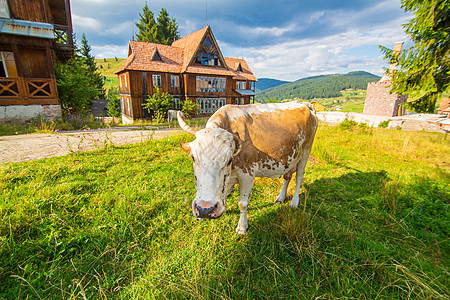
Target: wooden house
pixel 191 68
pixel 32 34
pixel 318 106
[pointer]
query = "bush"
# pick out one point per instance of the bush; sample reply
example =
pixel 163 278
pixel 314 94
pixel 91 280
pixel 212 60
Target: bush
pixel 347 124
pixel 189 108
pixel 384 124
pixel 158 103
pixel 75 86
pixel 113 106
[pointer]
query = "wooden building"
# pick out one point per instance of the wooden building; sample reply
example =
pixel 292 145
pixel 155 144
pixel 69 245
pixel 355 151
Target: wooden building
pixel 191 68
pixel 33 33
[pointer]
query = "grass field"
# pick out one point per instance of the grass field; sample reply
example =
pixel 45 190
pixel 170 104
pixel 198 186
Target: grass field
pixel 107 67
pixel 117 224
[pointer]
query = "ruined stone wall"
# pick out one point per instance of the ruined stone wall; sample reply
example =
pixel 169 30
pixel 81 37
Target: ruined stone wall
pixel 380 102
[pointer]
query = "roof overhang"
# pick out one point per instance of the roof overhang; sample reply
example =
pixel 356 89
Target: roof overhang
pixel 27 28
pixel 245 92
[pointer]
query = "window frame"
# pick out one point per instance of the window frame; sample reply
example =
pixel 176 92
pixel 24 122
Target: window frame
pixel 156 78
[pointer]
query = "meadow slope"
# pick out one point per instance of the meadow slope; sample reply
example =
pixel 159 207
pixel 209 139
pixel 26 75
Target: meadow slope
pixel 116 223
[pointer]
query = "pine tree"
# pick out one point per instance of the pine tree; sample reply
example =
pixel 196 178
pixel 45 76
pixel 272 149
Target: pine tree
pixel 89 61
pixel 162 31
pixel 147 30
pixel 167 28
pixel 424 69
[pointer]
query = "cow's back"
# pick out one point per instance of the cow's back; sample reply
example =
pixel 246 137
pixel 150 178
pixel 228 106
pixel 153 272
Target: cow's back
pixel 275 130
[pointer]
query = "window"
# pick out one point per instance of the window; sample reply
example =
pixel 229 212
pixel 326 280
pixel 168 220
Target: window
pixel 209 105
pixel 7 65
pixel 239 101
pixel 4 11
pixel 176 104
pixel 156 80
pixel 240 85
pixel 211 84
pixel 174 81
pixel 207 59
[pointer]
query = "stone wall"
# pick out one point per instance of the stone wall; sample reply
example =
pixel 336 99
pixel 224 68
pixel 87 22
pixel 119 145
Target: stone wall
pixel 26 112
pixel 380 102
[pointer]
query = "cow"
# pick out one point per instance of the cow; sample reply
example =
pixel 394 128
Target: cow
pixel 241 142
pixel 171 115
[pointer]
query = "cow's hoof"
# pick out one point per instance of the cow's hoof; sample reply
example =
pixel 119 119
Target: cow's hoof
pixel 280 200
pixel 241 230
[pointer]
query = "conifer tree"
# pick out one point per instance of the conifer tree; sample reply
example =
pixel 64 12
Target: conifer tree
pixel 423 69
pixel 147 30
pixel 89 61
pixel 162 31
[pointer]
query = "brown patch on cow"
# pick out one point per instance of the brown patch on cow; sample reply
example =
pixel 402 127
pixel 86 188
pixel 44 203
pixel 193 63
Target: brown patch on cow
pixel 268 136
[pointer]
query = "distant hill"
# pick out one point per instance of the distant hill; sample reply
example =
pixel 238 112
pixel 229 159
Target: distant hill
pixel 107 66
pixel 322 86
pixel 267 83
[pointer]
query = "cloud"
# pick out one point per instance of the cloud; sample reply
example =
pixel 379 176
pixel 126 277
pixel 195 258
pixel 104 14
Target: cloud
pixel 284 39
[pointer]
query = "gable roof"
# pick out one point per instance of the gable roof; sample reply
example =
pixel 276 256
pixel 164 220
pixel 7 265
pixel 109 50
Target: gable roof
pixel 179 57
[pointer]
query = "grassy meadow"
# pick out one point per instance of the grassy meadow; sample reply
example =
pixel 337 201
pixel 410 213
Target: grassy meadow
pixel 116 223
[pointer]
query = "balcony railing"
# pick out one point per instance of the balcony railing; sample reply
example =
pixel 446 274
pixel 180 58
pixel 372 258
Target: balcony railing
pixel 21 91
pixel 63 36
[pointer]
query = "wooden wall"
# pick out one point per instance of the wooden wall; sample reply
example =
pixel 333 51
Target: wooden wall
pixel 30 10
pixel 134 86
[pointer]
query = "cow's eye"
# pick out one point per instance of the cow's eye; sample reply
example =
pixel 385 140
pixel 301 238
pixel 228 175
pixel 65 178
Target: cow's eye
pixel 193 159
pixel 229 162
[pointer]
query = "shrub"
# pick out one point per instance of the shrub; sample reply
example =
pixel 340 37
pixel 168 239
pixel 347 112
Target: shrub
pixel 113 106
pixel 189 108
pixel 347 124
pixel 158 102
pixel 75 85
pixel 384 124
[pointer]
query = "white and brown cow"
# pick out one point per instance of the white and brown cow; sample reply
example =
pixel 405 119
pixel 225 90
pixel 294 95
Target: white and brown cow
pixel 242 142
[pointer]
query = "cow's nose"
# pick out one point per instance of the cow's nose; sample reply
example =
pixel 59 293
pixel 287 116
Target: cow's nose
pixel 205 212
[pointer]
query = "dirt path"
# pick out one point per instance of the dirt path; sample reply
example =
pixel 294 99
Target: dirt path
pixel 17 148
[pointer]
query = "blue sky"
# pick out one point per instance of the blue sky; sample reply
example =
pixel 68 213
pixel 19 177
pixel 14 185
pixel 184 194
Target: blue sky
pixel 282 39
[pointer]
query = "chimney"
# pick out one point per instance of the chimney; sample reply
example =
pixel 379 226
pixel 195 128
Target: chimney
pixel 397 48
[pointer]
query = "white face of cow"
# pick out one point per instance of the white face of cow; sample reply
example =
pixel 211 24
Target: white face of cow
pixel 212 154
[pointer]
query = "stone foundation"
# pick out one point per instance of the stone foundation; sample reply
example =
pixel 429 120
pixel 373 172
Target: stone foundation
pixel 26 112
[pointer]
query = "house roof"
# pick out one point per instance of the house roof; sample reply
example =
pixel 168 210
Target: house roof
pixel 178 58
pixel 445 104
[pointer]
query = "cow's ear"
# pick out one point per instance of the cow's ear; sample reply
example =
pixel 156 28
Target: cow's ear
pixel 237 144
pixel 186 147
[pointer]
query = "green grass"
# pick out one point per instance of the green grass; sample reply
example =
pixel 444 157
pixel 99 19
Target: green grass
pixel 108 67
pixel 116 223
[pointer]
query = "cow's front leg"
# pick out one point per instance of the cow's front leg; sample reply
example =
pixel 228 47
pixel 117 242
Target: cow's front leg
pixel 245 188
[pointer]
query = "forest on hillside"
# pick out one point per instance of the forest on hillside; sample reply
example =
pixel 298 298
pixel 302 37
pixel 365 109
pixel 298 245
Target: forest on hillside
pixel 322 86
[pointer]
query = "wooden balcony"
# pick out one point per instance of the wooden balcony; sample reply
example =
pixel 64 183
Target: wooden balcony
pixel 27 91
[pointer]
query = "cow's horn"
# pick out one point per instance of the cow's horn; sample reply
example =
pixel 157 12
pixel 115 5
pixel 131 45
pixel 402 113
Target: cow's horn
pixel 183 124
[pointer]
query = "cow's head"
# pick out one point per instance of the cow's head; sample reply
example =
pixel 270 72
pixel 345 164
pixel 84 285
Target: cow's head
pixel 212 154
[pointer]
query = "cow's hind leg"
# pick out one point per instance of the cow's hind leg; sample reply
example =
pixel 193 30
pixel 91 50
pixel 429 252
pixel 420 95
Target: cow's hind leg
pixel 299 179
pixel 287 178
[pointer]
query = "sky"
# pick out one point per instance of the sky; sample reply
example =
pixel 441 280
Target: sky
pixel 280 39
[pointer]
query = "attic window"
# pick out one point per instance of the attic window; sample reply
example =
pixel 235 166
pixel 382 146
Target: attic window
pixel 156 56
pixel 207 59
pixel 207 42
pixel 239 68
